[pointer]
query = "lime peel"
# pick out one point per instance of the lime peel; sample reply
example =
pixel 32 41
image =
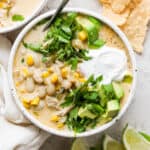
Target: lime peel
pixel 111 144
pixel 80 144
pixel 134 141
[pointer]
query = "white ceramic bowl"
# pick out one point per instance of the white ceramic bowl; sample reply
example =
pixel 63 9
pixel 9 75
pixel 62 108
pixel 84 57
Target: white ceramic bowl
pixel 32 118
pixel 19 25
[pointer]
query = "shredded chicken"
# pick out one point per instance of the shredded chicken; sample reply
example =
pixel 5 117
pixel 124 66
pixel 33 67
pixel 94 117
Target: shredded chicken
pixel 52 102
pixel 65 111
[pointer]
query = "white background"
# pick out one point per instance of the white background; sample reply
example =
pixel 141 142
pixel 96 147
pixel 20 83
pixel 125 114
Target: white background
pixel 138 114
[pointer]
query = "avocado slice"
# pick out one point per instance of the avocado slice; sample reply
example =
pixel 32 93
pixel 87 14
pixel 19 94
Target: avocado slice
pixel 104 119
pixel 84 112
pixel 128 78
pixel 104 99
pixel 113 108
pixel 119 93
pixel 91 26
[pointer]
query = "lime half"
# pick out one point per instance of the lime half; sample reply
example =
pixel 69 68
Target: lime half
pixel 134 141
pixel 111 144
pixel 80 144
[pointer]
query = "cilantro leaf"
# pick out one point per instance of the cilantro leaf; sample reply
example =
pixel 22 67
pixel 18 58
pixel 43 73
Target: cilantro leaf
pixel 58 41
pixel 17 17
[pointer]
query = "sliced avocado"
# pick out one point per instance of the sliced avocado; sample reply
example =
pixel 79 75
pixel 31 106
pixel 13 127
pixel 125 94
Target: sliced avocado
pixel 84 112
pixel 118 90
pixel 104 119
pixel 86 23
pixel 103 97
pixel 128 78
pixel 95 21
pixel 109 91
pixel 91 26
pixel 113 108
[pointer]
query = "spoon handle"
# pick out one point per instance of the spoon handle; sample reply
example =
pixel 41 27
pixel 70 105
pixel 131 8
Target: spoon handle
pixel 58 11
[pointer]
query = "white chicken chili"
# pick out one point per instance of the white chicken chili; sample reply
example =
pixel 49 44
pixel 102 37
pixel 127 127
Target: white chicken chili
pixel 13 12
pixel 75 76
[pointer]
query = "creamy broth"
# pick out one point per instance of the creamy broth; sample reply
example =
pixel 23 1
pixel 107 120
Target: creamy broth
pixel 18 8
pixel 24 71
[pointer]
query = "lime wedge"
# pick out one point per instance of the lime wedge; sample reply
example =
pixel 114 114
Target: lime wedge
pixel 111 144
pixel 80 144
pixel 134 141
pixel 146 136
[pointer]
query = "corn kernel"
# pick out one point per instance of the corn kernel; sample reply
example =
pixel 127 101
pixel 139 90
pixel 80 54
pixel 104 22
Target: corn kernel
pixel 55 118
pixel 60 125
pixel 2 4
pixel 27 101
pixel 26 105
pixel 23 91
pixel 25 72
pixel 45 74
pixel 50 70
pixel 64 72
pixel 82 35
pixel 30 60
pixel 76 75
pixel 35 101
pixel 54 78
pixel 82 80
pixel 17 84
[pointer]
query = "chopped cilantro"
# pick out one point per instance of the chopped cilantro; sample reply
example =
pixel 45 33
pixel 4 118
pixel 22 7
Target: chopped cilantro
pixel 22 60
pixel 91 97
pixel 17 17
pixel 58 40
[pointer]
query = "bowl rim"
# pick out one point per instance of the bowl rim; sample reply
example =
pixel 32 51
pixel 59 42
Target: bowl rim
pixel 63 133
pixel 20 24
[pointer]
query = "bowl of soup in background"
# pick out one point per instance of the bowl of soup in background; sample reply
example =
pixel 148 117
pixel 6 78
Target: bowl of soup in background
pixel 39 123
pixel 16 13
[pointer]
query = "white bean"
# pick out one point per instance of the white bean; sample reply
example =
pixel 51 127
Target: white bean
pixel 30 85
pixel 23 51
pixel 56 69
pixel 47 81
pixel 36 60
pixel 16 73
pixel 39 107
pixel 66 84
pixel 41 91
pixel 37 76
pixel 50 89
pixel 20 79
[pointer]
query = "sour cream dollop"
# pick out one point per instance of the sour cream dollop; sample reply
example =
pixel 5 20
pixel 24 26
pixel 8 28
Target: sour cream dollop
pixel 109 62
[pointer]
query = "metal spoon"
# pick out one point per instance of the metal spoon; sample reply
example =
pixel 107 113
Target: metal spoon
pixel 58 11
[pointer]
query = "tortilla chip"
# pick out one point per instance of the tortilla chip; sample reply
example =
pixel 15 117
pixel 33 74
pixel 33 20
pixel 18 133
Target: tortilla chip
pixel 118 6
pixel 118 19
pixel 136 1
pixel 133 4
pixel 112 39
pixel 136 25
pixel 103 2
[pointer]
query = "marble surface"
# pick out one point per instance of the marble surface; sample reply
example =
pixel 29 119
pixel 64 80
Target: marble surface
pixel 138 113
